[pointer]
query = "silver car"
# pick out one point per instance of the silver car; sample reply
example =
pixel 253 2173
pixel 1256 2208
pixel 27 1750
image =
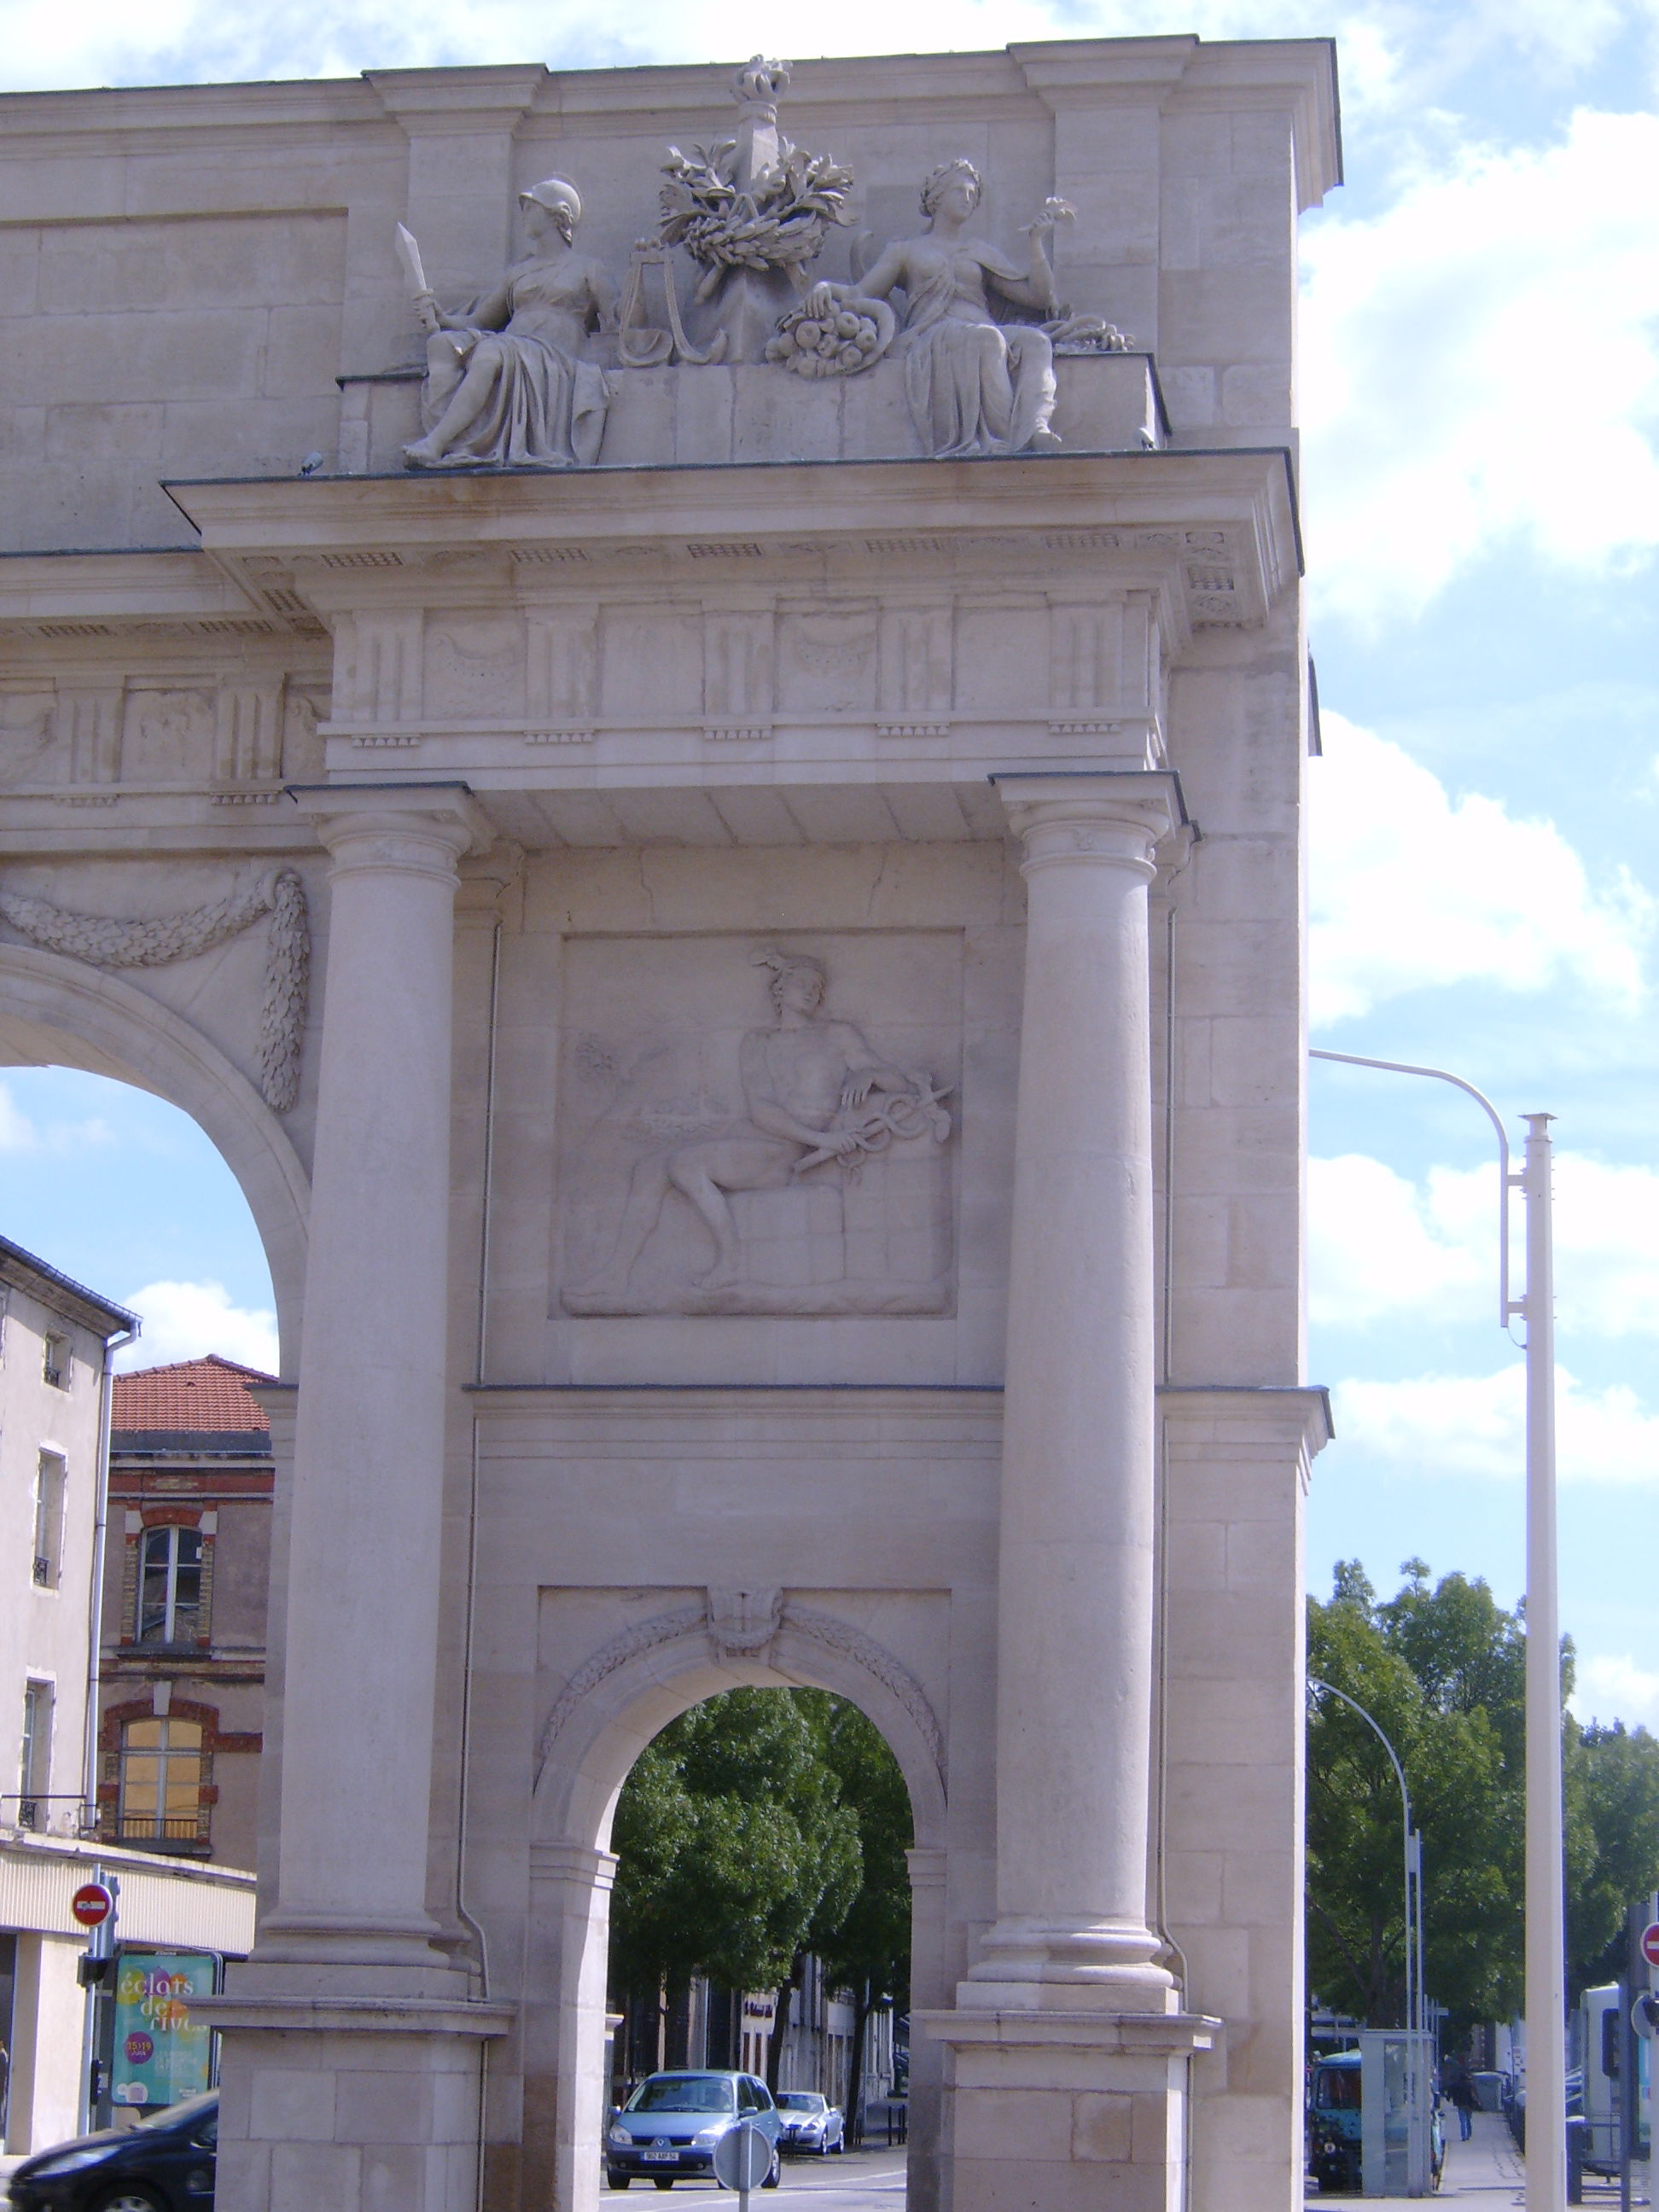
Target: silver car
pixel 810 2123
pixel 667 2130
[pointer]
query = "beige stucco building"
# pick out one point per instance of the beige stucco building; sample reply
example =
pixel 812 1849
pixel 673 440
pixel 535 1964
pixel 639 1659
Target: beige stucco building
pixel 57 1340
pixel 788 1165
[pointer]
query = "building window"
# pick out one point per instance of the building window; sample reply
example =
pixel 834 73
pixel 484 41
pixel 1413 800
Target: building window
pixel 160 1799
pixel 50 1482
pixel 58 1361
pixel 34 1768
pixel 169 1585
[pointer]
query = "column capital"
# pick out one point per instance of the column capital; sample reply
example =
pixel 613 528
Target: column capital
pixel 1115 817
pixel 417 829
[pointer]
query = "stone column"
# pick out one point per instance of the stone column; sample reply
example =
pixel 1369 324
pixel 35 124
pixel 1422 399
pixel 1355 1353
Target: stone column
pixel 1066 2055
pixel 352 2043
pixel 364 1558
pixel 1074 1673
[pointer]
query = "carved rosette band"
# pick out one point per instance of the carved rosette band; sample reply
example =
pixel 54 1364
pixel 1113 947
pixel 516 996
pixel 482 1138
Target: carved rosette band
pixel 103 941
pixel 744 1624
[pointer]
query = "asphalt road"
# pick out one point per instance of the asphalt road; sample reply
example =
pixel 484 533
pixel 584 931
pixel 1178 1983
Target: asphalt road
pixel 860 2181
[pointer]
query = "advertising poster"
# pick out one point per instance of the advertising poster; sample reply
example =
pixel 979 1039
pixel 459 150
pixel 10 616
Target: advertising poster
pixel 163 2051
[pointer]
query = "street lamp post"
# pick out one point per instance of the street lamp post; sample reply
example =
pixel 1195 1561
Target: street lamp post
pixel 1413 1858
pixel 1546 1923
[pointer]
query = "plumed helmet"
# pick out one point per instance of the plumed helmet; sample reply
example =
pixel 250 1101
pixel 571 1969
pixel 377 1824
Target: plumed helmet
pixel 560 198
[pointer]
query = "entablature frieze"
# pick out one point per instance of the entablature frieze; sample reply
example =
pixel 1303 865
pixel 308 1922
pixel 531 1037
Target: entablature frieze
pixel 577 640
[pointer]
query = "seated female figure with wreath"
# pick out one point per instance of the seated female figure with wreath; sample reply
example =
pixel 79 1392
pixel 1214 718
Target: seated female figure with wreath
pixel 974 384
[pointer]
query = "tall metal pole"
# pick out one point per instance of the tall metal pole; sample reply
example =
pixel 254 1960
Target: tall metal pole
pixel 1546 2089
pixel 1546 1914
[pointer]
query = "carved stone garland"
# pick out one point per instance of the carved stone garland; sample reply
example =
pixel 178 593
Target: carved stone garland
pixel 104 942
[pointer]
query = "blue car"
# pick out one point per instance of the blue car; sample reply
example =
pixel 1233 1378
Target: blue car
pixel 163 2164
pixel 667 2130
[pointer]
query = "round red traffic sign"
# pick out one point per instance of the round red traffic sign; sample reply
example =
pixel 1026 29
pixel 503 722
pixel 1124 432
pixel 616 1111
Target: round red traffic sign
pixel 92 1905
pixel 1651 1943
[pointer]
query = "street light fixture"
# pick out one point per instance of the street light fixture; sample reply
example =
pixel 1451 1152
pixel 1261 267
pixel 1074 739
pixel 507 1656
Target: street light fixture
pixel 1413 1856
pixel 1546 1916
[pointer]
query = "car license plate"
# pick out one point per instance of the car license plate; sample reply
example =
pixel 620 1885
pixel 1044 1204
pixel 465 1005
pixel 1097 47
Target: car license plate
pixel 660 2157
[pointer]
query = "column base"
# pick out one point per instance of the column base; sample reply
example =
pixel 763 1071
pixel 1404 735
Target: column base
pixel 1067 2111
pixel 352 2102
pixel 1028 1964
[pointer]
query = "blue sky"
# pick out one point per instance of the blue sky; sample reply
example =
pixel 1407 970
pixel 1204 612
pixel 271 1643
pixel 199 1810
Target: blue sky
pixel 1480 396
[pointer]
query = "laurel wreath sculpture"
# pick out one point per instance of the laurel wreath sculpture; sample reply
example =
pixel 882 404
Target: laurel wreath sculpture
pixel 781 223
pixel 104 942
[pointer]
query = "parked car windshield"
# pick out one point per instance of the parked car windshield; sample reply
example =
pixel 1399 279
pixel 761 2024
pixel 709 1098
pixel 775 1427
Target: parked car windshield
pixel 681 2093
pixel 798 2100
pixel 193 2108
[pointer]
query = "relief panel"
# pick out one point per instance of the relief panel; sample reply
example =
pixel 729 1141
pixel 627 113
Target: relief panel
pixel 759 1126
pixel 827 661
pixel 653 665
pixel 170 737
pixel 474 670
pixel 30 750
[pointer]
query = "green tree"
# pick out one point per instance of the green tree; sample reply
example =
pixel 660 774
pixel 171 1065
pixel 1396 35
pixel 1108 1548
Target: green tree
pixel 1443 1670
pixel 732 1841
pixel 868 1951
pixel 1611 1787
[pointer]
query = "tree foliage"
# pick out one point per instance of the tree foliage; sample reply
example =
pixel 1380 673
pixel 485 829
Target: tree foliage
pixel 1443 1670
pixel 754 1827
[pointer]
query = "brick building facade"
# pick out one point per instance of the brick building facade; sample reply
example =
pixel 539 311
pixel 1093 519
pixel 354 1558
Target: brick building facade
pixel 184 1631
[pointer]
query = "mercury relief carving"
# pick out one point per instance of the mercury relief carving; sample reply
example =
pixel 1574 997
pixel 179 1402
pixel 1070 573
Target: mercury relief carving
pixel 793 1167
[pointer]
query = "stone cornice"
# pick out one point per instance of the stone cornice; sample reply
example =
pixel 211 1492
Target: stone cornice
pixel 775 504
pixel 1292 1409
pixel 358 2015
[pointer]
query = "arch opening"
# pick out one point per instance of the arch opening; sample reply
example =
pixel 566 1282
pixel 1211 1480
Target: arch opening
pixel 589 2038
pixel 56 1013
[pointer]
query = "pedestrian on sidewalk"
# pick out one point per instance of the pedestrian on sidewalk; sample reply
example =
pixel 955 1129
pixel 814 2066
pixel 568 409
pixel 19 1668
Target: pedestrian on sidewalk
pixel 1460 2090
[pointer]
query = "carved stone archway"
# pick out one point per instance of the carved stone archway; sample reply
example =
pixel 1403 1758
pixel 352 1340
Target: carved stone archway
pixel 625 1693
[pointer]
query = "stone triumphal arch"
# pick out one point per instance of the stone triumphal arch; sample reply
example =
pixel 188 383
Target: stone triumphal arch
pixel 712 824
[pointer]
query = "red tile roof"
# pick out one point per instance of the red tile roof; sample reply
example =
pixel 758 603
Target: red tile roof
pixel 190 1394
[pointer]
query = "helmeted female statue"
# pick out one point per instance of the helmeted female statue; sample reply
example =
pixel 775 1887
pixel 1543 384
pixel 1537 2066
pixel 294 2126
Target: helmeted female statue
pixel 506 385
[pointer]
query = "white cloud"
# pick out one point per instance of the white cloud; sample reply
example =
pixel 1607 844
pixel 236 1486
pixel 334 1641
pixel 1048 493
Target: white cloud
pixel 1378 1245
pixel 19 1133
pixel 1480 367
pixel 1410 888
pixel 1381 1245
pixel 1475 1425
pixel 16 1130
pixel 186 1320
pixel 1401 54
pixel 1612 1688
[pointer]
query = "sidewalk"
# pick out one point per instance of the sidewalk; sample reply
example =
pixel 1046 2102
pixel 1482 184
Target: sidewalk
pixel 1486 2170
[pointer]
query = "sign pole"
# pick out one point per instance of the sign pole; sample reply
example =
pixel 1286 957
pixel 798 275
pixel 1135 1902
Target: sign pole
pixel 94 1906
pixel 1545 1938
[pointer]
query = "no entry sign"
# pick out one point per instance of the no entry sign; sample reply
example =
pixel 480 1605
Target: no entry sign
pixel 1651 1943
pixel 92 1905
